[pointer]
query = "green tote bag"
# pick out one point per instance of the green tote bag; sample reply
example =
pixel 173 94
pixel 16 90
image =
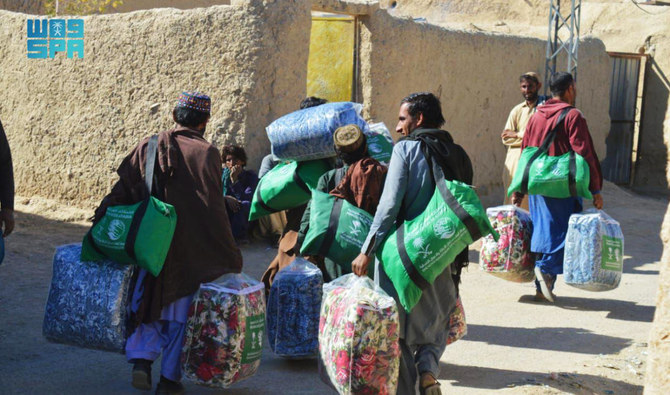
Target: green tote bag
pixel 138 234
pixel 337 229
pixel 551 176
pixel 419 250
pixel 287 185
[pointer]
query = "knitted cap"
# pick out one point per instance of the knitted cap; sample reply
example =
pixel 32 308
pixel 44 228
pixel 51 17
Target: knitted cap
pixel 195 101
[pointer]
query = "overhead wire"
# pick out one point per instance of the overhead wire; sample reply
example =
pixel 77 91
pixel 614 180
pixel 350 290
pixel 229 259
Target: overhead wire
pixel 650 13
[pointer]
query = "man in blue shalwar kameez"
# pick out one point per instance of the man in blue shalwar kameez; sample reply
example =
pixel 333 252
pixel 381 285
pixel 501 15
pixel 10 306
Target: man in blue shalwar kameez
pixel 551 215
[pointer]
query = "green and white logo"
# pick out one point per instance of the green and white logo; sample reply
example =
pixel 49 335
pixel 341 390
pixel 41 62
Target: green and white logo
pixel 116 229
pixel 443 228
pixel 612 254
pixel 374 148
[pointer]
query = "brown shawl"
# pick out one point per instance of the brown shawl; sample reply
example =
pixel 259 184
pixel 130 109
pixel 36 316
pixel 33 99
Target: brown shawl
pixel 188 174
pixel 362 184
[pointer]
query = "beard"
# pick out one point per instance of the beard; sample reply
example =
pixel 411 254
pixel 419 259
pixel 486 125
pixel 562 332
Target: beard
pixel 531 97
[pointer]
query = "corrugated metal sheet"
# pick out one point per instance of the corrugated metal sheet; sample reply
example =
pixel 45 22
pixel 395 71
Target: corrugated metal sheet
pixel 623 98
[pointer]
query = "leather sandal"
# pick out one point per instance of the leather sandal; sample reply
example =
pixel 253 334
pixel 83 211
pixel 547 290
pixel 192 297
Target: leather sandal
pixel 432 388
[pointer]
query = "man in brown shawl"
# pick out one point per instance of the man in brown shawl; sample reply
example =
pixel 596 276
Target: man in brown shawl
pixel 359 181
pixel 187 176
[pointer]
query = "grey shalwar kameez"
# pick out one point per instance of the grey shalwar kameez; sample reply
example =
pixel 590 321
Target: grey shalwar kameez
pixel 423 331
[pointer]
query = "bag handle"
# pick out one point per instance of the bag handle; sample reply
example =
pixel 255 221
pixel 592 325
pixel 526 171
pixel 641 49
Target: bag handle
pixel 450 200
pixel 149 164
pixel 333 221
pixel 544 147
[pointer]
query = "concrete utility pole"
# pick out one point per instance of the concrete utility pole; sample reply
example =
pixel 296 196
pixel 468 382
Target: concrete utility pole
pixel 563 39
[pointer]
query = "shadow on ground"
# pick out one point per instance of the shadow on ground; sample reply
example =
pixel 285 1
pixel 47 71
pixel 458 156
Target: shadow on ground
pixel 617 309
pixel 472 377
pixel 553 339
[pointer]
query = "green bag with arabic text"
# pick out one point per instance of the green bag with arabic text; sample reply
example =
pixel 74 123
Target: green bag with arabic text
pixel 337 229
pixel 419 250
pixel 137 234
pixel 552 176
pixel 287 185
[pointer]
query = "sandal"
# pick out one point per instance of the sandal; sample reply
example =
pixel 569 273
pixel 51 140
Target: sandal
pixel 431 389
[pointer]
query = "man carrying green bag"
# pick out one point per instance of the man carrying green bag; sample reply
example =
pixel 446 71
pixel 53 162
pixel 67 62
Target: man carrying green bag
pixel 420 249
pixel 409 188
pixel 137 234
pixel 187 174
pixel 340 213
pixel 560 128
pixel 553 176
pixel 287 185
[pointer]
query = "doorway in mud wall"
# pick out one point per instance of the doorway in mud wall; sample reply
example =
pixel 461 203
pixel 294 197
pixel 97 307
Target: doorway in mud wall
pixel 333 57
pixel 626 95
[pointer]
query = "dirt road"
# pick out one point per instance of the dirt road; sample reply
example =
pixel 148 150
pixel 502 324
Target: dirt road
pixel 586 343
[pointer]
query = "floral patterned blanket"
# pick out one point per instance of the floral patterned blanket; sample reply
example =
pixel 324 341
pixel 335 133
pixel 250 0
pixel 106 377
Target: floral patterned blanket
pixel 358 337
pixel 225 331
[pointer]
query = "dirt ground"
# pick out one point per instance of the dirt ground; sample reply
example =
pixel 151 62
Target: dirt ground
pixel 587 343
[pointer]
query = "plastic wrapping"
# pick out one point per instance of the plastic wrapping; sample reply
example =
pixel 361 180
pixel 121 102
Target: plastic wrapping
pixel 308 134
pixel 457 325
pixel 225 331
pixel 293 311
pixel 509 258
pixel 358 337
pixel 87 301
pixel 380 142
pixel 593 258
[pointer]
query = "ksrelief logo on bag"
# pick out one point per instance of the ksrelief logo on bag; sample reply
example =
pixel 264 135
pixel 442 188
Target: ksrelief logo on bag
pixel 556 170
pixel 116 229
pixel 443 228
pixel 284 170
pixel 375 148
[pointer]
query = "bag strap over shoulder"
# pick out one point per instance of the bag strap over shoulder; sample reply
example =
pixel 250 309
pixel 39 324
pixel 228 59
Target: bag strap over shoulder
pixel 333 221
pixel 450 199
pixel 544 147
pixel 549 138
pixel 461 213
pixel 150 163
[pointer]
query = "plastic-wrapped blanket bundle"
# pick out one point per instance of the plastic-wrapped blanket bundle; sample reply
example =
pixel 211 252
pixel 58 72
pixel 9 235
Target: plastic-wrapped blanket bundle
pixel 358 337
pixel 308 134
pixel 593 258
pixel 224 332
pixel 509 258
pixel 293 311
pixel 87 301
